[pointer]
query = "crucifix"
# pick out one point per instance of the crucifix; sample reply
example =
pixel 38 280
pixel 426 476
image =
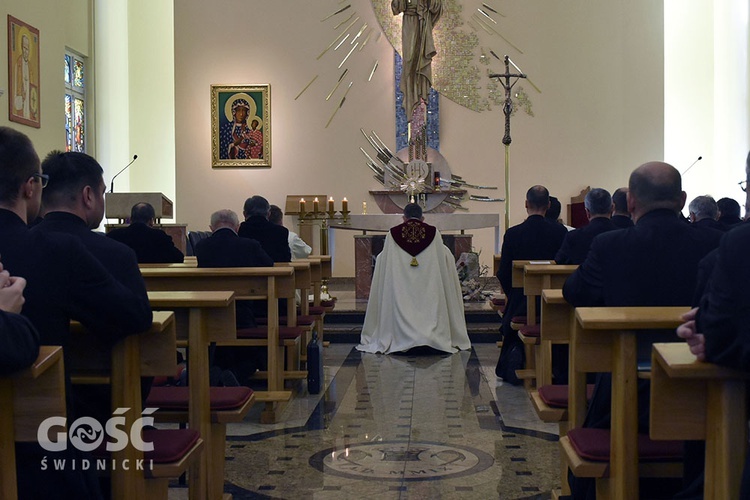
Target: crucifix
pixel 505 80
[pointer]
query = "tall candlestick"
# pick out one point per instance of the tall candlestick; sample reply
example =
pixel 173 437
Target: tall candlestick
pixel 302 205
pixel 315 205
pixel 330 205
pixel 344 205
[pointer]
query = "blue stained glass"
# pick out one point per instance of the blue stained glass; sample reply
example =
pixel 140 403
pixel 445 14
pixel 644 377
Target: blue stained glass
pixel 433 113
pixel 68 122
pixel 67 68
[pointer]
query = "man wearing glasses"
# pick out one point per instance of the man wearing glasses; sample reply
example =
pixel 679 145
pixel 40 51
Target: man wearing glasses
pixel 64 282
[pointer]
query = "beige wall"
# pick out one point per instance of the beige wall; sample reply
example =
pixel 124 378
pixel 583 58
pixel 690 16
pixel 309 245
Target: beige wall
pixel 599 65
pixel 60 24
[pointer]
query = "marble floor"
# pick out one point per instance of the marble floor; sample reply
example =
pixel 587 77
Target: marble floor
pixel 424 426
pixel 398 427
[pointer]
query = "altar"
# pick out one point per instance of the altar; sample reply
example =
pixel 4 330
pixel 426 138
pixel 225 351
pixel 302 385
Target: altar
pixel 368 246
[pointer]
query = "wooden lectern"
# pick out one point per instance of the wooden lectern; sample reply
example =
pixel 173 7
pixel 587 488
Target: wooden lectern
pixel 119 205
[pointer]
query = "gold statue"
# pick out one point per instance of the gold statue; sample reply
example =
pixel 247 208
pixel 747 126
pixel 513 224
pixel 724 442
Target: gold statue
pixel 418 49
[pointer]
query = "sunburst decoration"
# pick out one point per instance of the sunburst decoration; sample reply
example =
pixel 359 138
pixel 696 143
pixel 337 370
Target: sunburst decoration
pixel 468 38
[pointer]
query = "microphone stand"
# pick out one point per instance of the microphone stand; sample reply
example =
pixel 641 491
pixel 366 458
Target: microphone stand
pixel 112 183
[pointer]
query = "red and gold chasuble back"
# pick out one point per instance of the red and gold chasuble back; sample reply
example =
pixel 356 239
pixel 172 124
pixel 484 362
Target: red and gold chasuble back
pixel 413 236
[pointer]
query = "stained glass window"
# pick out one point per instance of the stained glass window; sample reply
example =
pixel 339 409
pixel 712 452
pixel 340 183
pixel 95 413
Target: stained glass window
pixel 68 122
pixel 76 124
pixel 78 73
pixel 67 68
pixel 79 129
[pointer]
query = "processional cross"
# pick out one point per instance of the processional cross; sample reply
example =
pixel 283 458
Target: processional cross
pixel 505 80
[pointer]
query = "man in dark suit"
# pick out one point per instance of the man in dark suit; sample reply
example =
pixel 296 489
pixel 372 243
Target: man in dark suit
pixel 224 248
pixel 64 282
pixel 74 204
pixel 620 215
pixel 534 239
pixel 151 245
pixel 729 212
pixel 19 340
pixel 273 238
pixel 653 263
pixel 575 246
pixel 718 330
pixel 703 212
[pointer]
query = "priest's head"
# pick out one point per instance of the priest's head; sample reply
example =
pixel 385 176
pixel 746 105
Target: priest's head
pixel 76 186
pixel 413 211
pixel 21 178
pixel 537 200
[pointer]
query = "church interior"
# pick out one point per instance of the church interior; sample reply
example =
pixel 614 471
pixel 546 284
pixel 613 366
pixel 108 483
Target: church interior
pixel 607 87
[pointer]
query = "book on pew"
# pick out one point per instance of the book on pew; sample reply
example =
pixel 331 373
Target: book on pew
pixel 314 365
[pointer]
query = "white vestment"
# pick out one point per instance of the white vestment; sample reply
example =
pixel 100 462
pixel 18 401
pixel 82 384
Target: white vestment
pixel 414 306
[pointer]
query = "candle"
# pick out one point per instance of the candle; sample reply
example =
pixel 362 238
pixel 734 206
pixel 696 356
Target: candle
pixel 302 205
pixel 330 205
pixel 364 208
pixel 315 205
pixel 344 205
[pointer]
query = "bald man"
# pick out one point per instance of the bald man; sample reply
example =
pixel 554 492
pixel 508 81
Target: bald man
pixel 653 263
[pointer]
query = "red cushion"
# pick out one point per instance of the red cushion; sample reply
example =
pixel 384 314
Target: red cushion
pixel 328 304
pixel 518 319
pixel 261 332
pixel 531 330
pixel 593 444
pixel 556 396
pixel 316 310
pixel 301 320
pixel 176 398
pixel 170 445
pixel 498 301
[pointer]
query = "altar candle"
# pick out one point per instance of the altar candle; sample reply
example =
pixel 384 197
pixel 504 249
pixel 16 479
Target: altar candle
pixel 302 205
pixel 315 205
pixel 364 208
pixel 344 205
pixel 330 205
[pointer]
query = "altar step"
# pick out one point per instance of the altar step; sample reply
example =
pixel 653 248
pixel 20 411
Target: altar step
pixel 345 326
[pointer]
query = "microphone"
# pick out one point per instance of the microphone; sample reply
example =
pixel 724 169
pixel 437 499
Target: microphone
pixel 691 165
pixel 112 184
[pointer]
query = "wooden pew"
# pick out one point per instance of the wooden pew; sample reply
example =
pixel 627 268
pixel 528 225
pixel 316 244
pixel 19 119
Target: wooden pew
pixel 604 340
pixel 535 276
pixel 248 283
pixel 316 281
pixel 151 353
pixel 326 272
pixel 693 400
pixel 27 398
pixel 203 317
pixel 303 283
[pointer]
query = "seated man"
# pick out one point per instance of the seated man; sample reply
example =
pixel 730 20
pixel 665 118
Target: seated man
pixel 575 246
pixel 19 340
pixel 151 245
pixel 620 215
pixel 224 248
pixel 273 238
pixel 654 263
pixel 298 247
pixel 719 331
pixel 536 238
pixel 729 213
pixel 415 297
